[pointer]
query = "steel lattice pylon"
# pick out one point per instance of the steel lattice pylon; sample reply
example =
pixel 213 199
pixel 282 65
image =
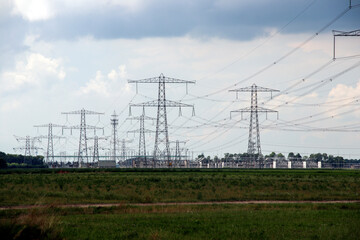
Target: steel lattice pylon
pixel 96 149
pixel 142 130
pixel 114 122
pixel 29 145
pixel 161 148
pixel 83 149
pixel 50 137
pixel 254 147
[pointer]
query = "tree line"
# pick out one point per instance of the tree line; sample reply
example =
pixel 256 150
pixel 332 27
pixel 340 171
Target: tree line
pixel 20 161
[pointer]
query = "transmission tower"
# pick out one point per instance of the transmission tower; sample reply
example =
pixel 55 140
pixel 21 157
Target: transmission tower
pixel 178 152
pixel 336 33
pixel 161 148
pixel 50 137
pixel 114 123
pixel 83 150
pixel 142 131
pixel 254 147
pixel 123 148
pixel 95 148
pixel 29 146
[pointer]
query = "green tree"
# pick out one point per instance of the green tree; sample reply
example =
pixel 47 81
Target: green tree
pixel 3 163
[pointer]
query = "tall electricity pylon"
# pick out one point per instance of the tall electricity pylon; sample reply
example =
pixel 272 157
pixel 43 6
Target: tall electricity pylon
pixel 29 146
pixel 50 137
pixel 142 130
pixel 95 148
pixel 123 148
pixel 83 153
pixel 161 148
pixel 254 132
pixel 178 152
pixel 114 123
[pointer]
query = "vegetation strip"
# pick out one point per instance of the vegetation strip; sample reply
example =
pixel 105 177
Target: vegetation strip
pixel 171 203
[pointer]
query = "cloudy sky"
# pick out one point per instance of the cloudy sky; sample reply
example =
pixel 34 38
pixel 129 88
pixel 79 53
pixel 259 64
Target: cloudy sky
pixel 61 55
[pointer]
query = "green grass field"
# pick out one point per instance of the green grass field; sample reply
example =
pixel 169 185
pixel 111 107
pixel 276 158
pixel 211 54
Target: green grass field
pixel 50 187
pixel 224 221
pixel 265 221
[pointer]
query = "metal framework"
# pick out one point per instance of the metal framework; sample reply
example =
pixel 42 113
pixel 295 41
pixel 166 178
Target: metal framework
pixel 50 137
pixel 142 130
pixel 123 148
pixel 178 152
pixel 254 132
pixel 161 148
pixel 95 147
pixel 29 146
pixel 336 33
pixel 114 123
pixel 83 149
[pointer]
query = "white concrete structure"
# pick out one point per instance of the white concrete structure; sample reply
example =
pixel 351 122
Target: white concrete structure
pixel 274 163
pixel 304 164
pixel 289 164
pixel 319 164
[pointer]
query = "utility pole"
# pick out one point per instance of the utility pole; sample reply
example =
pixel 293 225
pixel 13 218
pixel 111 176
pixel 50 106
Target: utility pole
pixel 254 147
pixel 83 149
pixel 161 148
pixel 114 123
pixel 142 131
pixel 50 137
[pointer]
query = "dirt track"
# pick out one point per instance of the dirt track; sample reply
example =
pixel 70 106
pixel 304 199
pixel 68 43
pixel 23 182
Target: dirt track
pixel 171 204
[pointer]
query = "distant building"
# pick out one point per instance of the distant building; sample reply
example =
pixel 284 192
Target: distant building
pixel 107 164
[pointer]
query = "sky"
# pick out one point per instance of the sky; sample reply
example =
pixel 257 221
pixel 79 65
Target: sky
pixel 61 55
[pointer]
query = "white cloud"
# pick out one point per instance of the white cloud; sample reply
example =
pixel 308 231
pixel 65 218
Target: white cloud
pixel 97 85
pixel 345 97
pixel 106 85
pixel 342 91
pixel 37 10
pixel 34 10
pixel 7 106
pixel 37 70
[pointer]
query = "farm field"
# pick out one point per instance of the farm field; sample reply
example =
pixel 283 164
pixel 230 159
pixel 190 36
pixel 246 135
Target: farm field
pixel 53 188
pixel 78 187
pixel 254 221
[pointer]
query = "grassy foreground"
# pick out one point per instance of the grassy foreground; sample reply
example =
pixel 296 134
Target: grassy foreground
pixel 52 187
pixel 267 221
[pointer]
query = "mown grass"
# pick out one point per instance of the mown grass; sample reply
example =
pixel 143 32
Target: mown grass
pixel 51 187
pixel 254 221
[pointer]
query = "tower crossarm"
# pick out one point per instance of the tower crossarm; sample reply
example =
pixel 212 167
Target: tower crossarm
pixel 258 109
pixel 139 118
pixel 155 103
pixel 53 136
pixel 138 130
pixel 79 127
pixel 251 110
pixel 354 33
pixel 161 78
pixel 83 111
pixel 254 88
pixel 50 124
pixel 99 138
